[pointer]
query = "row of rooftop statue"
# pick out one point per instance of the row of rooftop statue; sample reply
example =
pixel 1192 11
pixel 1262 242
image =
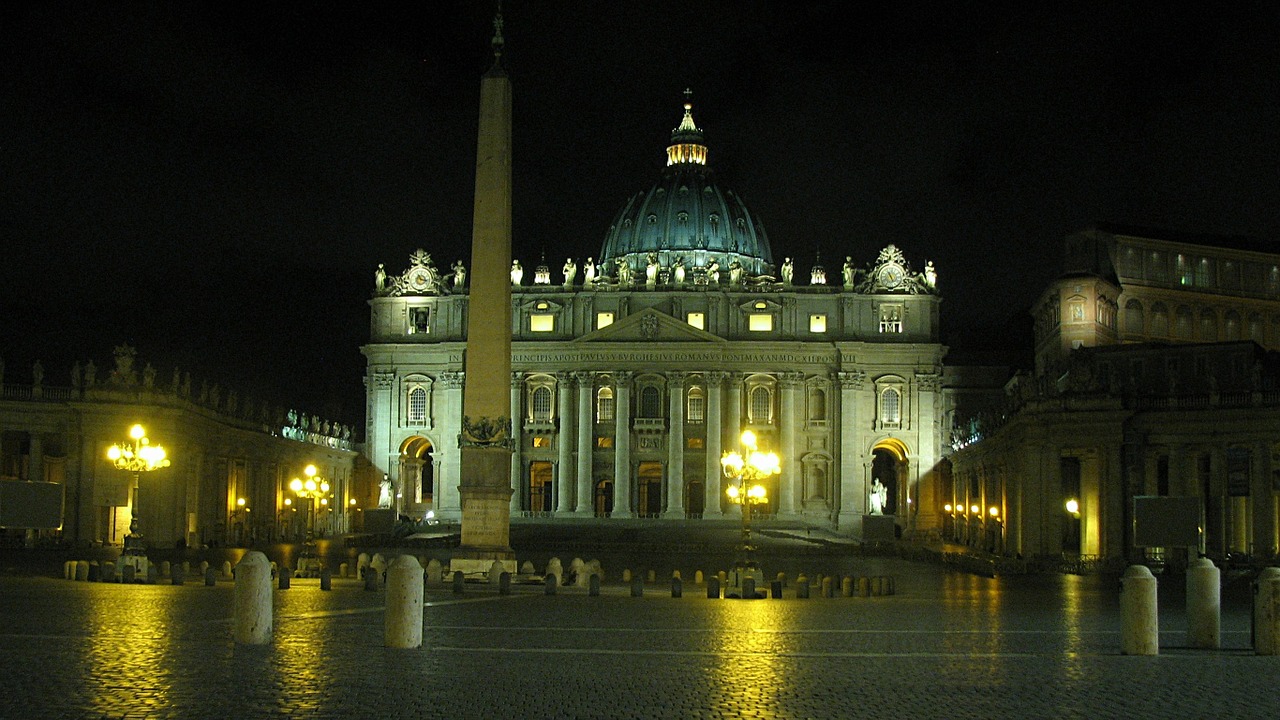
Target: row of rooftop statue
pixel 422 276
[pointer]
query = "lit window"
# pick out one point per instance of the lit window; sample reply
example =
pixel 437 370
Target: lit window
pixel 604 405
pixel 604 442
pixel 419 320
pixel 761 405
pixel 542 323
pixel 698 320
pixel 890 318
pixel 891 407
pixel 817 323
pixel 603 319
pixel 541 441
pixel 542 404
pixel 760 322
pixel 417 406
pixel 694 443
pixel 760 305
pixel 697 405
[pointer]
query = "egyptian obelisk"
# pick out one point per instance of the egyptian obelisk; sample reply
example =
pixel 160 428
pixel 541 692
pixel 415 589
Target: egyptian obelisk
pixel 486 438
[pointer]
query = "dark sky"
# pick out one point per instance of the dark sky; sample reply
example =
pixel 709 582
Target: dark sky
pixel 215 182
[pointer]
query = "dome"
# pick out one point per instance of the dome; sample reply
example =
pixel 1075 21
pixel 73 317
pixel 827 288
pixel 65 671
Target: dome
pixel 686 218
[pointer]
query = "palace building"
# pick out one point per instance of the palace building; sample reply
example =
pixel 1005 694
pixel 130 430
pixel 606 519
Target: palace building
pixel 634 371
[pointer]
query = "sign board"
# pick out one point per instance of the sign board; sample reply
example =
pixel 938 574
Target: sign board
pixel 34 505
pixel 1162 521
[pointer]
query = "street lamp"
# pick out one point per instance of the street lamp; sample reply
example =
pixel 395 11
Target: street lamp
pixel 747 470
pixel 314 489
pixel 136 456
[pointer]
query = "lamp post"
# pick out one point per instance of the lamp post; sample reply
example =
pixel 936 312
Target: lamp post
pixel 239 522
pixel 315 490
pixel 746 471
pixel 136 456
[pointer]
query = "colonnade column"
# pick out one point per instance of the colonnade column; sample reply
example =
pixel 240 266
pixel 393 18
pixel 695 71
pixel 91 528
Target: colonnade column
pixel 675 446
pixel 853 479
pixel 565 470
pixel 622 444
pixel 711 487
pixel 788 481
pixel 586 437
pixel 517 436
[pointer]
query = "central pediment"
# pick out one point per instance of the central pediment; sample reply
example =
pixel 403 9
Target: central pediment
pixel 650 326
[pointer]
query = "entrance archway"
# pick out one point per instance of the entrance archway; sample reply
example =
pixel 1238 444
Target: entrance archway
pixel 889 467
pixel 417 471
pixel 649 486
pixel 540 487
pixel 603 500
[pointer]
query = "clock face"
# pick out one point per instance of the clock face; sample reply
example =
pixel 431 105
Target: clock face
pixel 418 279
pixel 891 275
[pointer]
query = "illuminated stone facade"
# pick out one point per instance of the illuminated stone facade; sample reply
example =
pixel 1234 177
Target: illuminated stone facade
pixel 1156 375
pixel 633 371
pixel 221 448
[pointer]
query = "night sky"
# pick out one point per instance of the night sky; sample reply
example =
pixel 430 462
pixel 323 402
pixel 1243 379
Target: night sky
pixel 215 183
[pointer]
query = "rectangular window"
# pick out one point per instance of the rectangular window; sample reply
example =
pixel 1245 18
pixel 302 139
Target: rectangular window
pixel 604 441
pixel 542 323
pixel 541 441
pixel 697 408
pixel 698 320
pixel 890 318
pixel 817 323
pixel 694 443
pixel 760 322
pixel 419 320
pixel 603 320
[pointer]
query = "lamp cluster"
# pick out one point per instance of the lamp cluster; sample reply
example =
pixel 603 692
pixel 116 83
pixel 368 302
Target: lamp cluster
pixel 139 455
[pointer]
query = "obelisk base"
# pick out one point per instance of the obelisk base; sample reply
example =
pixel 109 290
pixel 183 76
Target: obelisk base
pixel 485 494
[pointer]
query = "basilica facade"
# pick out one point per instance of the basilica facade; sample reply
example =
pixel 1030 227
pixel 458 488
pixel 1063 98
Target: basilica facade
pixel 634 371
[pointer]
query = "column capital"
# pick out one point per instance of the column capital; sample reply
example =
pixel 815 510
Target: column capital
pixel 736 378
pixel 453 379
pixel 563 378
pixel 676 378
pixel 791 379
pixel 517 379
pixel 622 377
pixel 584 379
pixel 852 380
pixel 384 379
pixel 715 378
pixel 928 382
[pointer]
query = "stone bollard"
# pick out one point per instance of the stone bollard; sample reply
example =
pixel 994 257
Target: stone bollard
pixel 370 579
pixel 583 578
pixel 326 579
pixel 549 583
pixel 877 586
pixel 176 575
pixel 211 578
pixel 166 569
pixel 637 587
pixel 593 585
pixel 1204 605
pixel 653 576
pixel 204 565
pixel 69 570
pixel 343 569
pixel 576 569
pixel 749 588
pixel 697 578
pixel 826 587
pixel 1139 620
pixel 846 586
pixel 435 572
pixel 722 576
pixel 677 587
pixel 153 573
pixel 775 589
pixel 626 575
pixel 362 562
pixel 226 568
pixel 379 564
pixel 286 576
pixel 82 570
pixel 128 573
pixel 253 600
pixel 95 571
pixel 555 568
pixel 504 583
pixel 186 567
pixel 802 587
pixel 1266 612
pixel 526 568
pixel 864 586
pixel 459 582
pixel 782 578
pixel 403 624
pixel 494 576
pixel 713 588
pixel 109 572
pixel 676 574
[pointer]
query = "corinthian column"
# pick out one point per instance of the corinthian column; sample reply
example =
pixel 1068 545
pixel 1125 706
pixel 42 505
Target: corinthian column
pixel 622 444
pixel 586 437
pixel 564 443
pixel 675 446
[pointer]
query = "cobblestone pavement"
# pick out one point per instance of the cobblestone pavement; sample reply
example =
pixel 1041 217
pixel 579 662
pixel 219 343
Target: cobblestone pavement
pixel 946 645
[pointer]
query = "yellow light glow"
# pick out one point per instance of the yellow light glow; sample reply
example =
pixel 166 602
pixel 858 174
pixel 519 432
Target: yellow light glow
pixel 136 432
pixel 760 322
pixel 310 485
pixel 309 471
pixel 732 491
pixel 975 509
pixel 240 502
pixel 756 492
pixel 288 501
pixel 295 485
pixel 993 511
pixel 324 501
pixel 1073 506
pixel 113 453
pixel 947 507
pixel 324 486
pixel 353 502
pixel 749 439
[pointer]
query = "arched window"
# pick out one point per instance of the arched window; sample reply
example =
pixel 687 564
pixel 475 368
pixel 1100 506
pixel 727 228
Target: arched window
pixel 604 404
pixel 1208 326
pixel 1182 323
pixel 542 404
pixel 650 402
pixel 761 405
pixel 417 414
pixel 697 411
pixel 1133 319
pixel 891 407
pixel 817 404
pixel 1159 321
pixel 1232 326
